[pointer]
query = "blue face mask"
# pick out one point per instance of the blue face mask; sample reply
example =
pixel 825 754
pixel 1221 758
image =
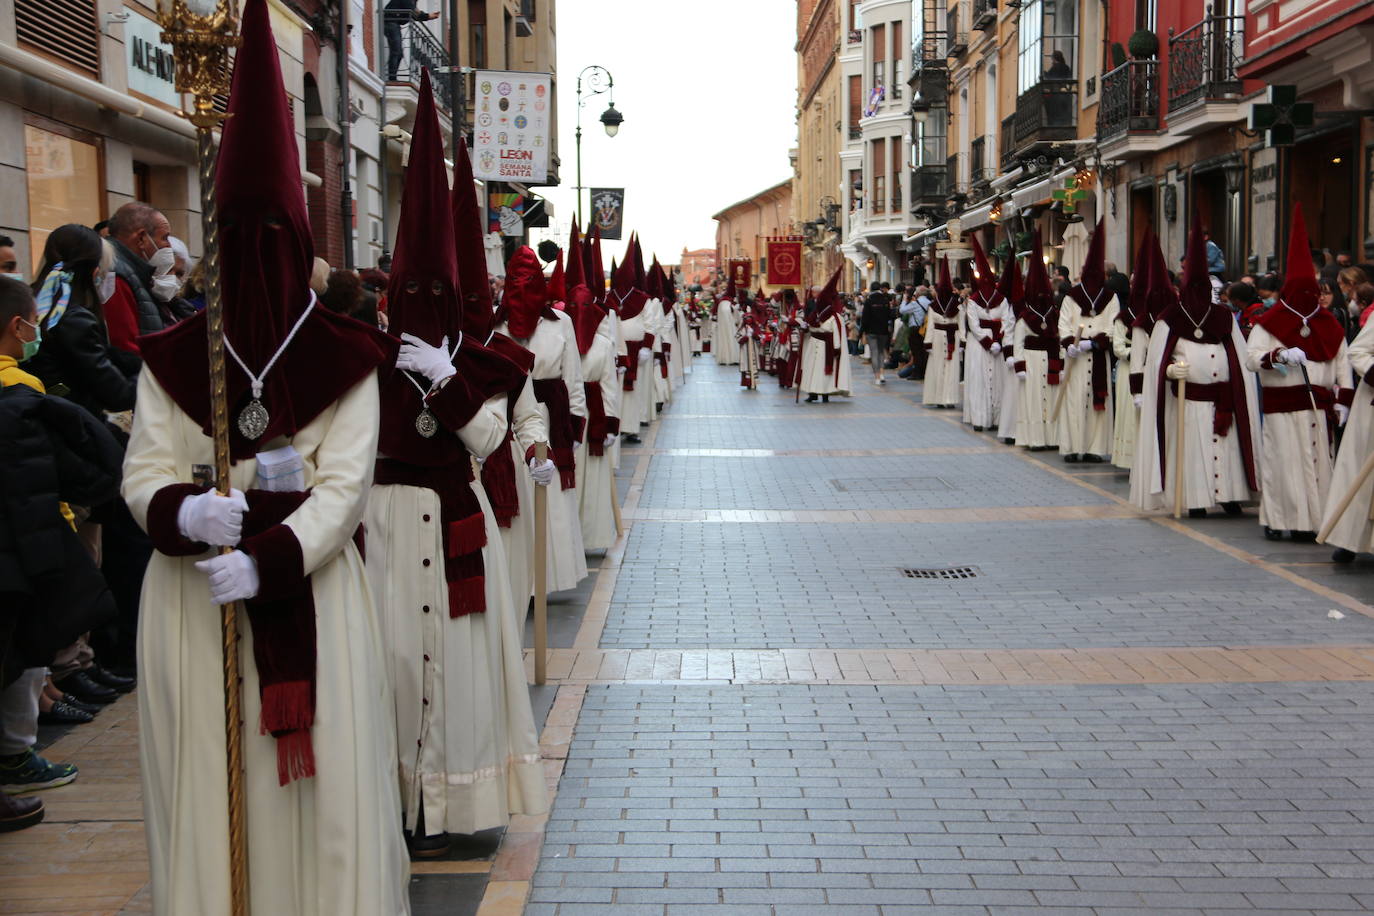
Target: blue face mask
pixel 31 346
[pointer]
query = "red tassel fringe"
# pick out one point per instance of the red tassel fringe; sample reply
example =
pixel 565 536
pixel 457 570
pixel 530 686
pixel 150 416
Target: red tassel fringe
pixel 467 535
pixel 287 706
pixel 467 596
pixel 295 756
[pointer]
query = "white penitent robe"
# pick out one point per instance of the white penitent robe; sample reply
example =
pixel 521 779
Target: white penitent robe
pixel 469 754
pixel 664 333
pixel 1127 419
pixel 814 378
pixel 983 369
pixel 1295 475
pixel 1214 470
pixel 1084 429
pixel 1354 529
pixel 1036 396
pixel 683 352
pixel 1008 416
pixel 724 347
pixel 517 541
pixel 302 837
pixel 554 346
pixel 942 368
pixel 595 480
pixel 637 403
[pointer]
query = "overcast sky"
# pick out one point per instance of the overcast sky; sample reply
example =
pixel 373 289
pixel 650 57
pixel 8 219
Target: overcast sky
pixel 708 91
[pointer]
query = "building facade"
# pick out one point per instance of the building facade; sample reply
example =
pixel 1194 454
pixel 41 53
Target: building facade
pixel 817 188
pixel 744 228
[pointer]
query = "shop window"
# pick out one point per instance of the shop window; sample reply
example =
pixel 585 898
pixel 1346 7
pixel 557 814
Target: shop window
pixel 62 30
pixel 63 177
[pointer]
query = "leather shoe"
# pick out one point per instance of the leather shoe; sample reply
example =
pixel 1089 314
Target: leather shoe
pixel 63 713
pixel 109 679
pixel 19 811
pixel 1197 513
pixel 80 685
pixel 73 702
pixel 1303 537
pixel 1341 555
pixel 1272 535
pixel 1232 510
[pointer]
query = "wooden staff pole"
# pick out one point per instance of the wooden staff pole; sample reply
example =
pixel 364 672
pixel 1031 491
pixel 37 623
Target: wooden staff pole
pixel 1179 433
pixel 541 571
pixel 1360 479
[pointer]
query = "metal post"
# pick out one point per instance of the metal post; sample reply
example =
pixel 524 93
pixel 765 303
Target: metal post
pixel 345 138
pixel 579 167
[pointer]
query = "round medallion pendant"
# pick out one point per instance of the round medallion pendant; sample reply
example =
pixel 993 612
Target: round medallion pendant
pixel 253 420
pixel 1306 331
pixel 426 425
pixel 1198 333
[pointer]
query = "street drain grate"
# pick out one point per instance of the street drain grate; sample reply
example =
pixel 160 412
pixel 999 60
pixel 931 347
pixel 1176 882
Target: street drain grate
pixel 888 484
pixel 949 572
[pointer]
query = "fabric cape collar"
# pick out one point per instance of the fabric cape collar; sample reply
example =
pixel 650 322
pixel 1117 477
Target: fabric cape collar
pixel 1322 344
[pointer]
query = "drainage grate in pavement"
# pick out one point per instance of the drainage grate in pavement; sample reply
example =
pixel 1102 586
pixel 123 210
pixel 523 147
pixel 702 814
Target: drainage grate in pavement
pixel 887 484
pixel 949 572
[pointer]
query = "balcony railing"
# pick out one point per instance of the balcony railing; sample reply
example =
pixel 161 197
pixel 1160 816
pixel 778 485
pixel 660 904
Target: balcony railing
pixel 976 150
pixel 1130 99
pixel 1048 111
pixel 929 186
pixel 1008 142
pixel 980 171
pixel 1203 60
pixel 855 132
pixel 954 168
pixel 984 14
pixel 421 50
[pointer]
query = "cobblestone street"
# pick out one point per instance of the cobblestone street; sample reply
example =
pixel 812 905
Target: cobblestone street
pixel 1109 714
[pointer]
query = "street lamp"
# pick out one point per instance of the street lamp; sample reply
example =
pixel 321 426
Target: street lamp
pixel 201 32
pixel 599 81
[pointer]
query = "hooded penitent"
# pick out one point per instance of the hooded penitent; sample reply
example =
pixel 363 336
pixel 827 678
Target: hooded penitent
pixel 828 305
pixel 731 293
pixel 1041 315
pixel 1092 293
pixel 596 267
pixel 627 297
pixel 558 291
pixel 946 305
pixel 471 249
pixel 266 259
pixel 1197 318
pixel 1298 320
pixel 587 317
pixel 1010 286
pixel 1140 282
pixel 984 283
pixel 1156 290
pixel 419 445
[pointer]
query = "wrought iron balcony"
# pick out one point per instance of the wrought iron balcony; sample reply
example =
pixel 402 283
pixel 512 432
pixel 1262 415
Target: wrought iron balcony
pixel 420 51
pixel 1008 142
pixel 1048 111
pixel 1130 99
pixel 984 14
pixel 976 151
pixel 958 40
pixel 855 132
pixel 1203 60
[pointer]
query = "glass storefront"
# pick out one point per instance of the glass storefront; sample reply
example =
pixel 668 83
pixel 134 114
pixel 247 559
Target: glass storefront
pixel 63 182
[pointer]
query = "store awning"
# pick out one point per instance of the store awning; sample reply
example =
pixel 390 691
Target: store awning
pixel 1039 191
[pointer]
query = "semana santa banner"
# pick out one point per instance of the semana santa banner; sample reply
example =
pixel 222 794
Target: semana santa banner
pixel 511 134
pixel 784 264
pixel 608 211
pixel 741 271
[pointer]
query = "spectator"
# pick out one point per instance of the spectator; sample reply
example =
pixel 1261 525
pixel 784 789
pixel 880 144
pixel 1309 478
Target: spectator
pixel 398 13
pixel 9 260
pixel 1216 260
pixel 1329 297
pixel 1348 280
pixel 1267 288
pixel 1059 68
pixel 143 251
pixel 915 311
pixel 345 295
pixel 1362 303
pixel 319 276
pixel 875 323
pixel 1118 283
pixel 1242 299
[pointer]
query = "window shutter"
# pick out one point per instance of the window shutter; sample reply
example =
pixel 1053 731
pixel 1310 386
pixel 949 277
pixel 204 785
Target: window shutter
pixel 61 29
pixel 856 100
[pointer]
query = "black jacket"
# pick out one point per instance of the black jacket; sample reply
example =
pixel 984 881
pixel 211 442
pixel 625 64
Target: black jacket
pixel 877 315
pixel 50 589
pixel 138 273
pixel 76 361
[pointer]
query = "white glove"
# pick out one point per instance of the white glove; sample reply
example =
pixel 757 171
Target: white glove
pixel 1293 356
pixel 803 325
pixel 1137 399
pixel 1071 351
pixel 1011 362
pixel 748 332
pixel 542 473
pixel 233 577
pixel 1177 371
pixel 610 440
pixel 1085 346
pixel 1342 414
pixel 213 519
pixel 1020 376
pixel 433 363
pixel 620 370
pixel 645 354
pixel 996 347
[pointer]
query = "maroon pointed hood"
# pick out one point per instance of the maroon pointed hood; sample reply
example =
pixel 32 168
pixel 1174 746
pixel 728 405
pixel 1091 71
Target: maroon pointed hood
pixel 1298 309
pixel 558 290
pixel 636 255
pixel 653 284
pixel 828 301
pixel 946 300
pixel 596 276
pixel 423 295
pixel 266 257
pixel 1140 281
pixel 577 267
pixel 470 241
pixel 1093 278
pixel 731 293
pixel 1156 288
pixel 627 297
pixel 526 296
pixel 984 283
pixel 1039 295
pixel 1195 308
pixel 1010 286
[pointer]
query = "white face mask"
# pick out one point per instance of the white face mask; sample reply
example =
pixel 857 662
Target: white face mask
pixel 166 287
pixel 19 277
pixel 107 286
pixel 162 261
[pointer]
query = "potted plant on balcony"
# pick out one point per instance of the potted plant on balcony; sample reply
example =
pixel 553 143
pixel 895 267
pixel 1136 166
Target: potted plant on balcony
pixel 1143 44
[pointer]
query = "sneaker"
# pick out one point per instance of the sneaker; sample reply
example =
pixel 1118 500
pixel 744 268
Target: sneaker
pixel 28 772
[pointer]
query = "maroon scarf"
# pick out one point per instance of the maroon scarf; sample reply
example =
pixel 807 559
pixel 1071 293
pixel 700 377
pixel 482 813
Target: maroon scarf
pixel 553 394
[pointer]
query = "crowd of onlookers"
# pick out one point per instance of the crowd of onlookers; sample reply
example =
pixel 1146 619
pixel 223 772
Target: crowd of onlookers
pixel 71 556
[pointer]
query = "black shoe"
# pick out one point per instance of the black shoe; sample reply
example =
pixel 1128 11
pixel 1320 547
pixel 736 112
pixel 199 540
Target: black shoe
pixel 810 399
pixel 73 702
pixel 428 847
pixel 1232 510
pixel 1303 537
pixel 63 714
pixel 1008 441
pixel 1071 459
pixel 108 678
pixel 632 439
pixel 658 408
pixel 1093 459
pixel 825 399
pixel 80 685
pixel 19 811
pixel 1341 555
pixel 1271 535
pixel 1197 513
pixel 978 429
